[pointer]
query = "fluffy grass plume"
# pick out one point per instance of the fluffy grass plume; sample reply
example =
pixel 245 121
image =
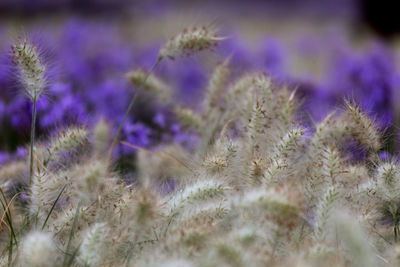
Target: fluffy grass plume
pixel 30 67
pixel 189 41
pixel 31 73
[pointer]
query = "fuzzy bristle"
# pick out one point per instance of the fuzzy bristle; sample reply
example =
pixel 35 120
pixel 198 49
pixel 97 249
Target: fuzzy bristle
pixel 31 69
pixel 190 41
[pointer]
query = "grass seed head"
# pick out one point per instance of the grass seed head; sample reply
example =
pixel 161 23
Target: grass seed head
pixel 30 67
pixel 190 41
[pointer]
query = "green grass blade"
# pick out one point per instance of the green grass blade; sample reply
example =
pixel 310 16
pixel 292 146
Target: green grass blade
pixel 66 260
pixel 53 206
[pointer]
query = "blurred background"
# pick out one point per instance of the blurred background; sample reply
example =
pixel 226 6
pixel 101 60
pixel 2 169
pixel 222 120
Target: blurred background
pixel 327 50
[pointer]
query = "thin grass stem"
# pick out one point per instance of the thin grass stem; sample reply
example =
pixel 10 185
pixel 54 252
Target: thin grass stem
pixel 115 140
pixel 34 100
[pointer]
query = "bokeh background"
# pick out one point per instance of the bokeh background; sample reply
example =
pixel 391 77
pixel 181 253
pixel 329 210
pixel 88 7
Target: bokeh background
pixel 326 50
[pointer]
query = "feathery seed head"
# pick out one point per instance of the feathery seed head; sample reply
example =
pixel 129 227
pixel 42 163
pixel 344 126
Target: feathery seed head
pixel 153 84
pixel 331 164
pixel 215 163
pixel 362 127
pixel 145 208
pixel 323 212
pixel 43 191
pixel 290 142
pixel 30 66
pixel 388 176
pixel 162 164
pixel 204 213
pixel 257 120
pixel 189 118
pixel 200 191
pixel 263 83
pixel 190 41
pixel 101 134
pixel 256 169
pixel 249 84
pixel 281 203
pixel 90 251
pixel 273 171
pixel 37 250
pixel 66 141
pixel 89 179
pixel 323 132
pixel 354 240
pixel 216 85
pixel 221 158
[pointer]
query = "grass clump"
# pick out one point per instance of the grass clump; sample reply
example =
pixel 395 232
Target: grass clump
pixel 259 188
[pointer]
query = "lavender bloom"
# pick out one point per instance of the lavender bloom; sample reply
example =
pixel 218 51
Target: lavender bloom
pixel 137 134
pixel 241 56
pixel 92 58
pixel 4 157
pixel 188 77
pixel 369 78
pixel 272 54
pixel 384 156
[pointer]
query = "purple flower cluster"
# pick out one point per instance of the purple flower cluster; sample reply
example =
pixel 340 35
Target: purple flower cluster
pixel 91 58
pixel 87 83
pixel 370 78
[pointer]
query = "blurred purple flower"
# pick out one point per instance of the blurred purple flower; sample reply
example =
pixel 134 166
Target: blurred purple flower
pixel 92 58
pixel 272 57
pixel 4 157
pixel 370 78
pixel 384 156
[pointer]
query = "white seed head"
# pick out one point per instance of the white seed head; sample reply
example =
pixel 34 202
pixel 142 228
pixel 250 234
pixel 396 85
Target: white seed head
pixel 354 240
pixel 363 128
pixel 154 84
pixel 101 137
pixel 215 163
pixel 30 67
pixel 290 142
pixel 268 199
pixel 37 250
pixel 216 86
pixel 189 118
pixel 190 41
pixel 200 191
pixel 323 212
pixel 67 140
pixel 90 251
pixel 43 191
pixel 257 120
pixel 88 179
pixel 388 176
pixel 242 91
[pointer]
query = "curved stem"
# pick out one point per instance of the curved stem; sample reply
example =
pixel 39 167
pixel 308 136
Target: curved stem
pixel 34 100
pixel 115 140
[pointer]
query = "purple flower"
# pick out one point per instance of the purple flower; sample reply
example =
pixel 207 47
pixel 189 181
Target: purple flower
pixel 242 58
pixel 384 155
pixel 91 59
pixel 370 78
pixel 160 120
pixel 272 57
pixel 136 134
pixel 4 157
